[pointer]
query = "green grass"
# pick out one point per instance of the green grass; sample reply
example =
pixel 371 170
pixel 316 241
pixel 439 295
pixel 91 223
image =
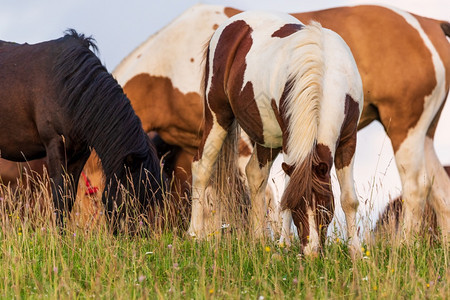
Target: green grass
pixel 41 262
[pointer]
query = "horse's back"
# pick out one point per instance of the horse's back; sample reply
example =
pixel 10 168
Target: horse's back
pixel 396 61
pixel 247 53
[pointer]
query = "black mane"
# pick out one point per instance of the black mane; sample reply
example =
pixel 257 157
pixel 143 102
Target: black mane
pixel 101 114
pixel 88 42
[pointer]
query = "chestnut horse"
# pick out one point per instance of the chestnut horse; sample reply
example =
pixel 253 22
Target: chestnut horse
pixel 58 100
pixel 163 75
pixel 291 87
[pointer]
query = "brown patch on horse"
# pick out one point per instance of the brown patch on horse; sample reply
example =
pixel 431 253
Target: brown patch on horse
pixel 322 187
pixel 149 94
pixel 243 148
pixel 265 154
pixel 229 11
pixel 311 177
pixel 347 140
pixel 215 26
pixel 208 118
pixel 192 59
pixel 398 98
pixel 287 30
pixel 227 92
pixel 299 188
pixel 437 31
pixel 283 119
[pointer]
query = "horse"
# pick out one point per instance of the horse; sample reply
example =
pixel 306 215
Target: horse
pixel 164 74
pixel 59 101
pixel 290 87
pixel 391 216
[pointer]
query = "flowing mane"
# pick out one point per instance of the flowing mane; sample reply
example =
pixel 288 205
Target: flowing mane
pixel 84 79
pixel 303 95
pixel 302 104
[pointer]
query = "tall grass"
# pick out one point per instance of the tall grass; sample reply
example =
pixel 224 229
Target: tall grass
pixel 38 260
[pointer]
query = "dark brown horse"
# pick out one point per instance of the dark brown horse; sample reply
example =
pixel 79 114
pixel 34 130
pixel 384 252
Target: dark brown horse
pixel 58 100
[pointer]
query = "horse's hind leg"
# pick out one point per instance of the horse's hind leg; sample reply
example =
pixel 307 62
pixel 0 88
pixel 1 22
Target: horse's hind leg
pixel 440 188
pixel 415 182
pixel 202 166
pixel 257 171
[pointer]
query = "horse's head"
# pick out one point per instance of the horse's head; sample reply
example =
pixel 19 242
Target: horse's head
pixel 143 185
pixel 309 196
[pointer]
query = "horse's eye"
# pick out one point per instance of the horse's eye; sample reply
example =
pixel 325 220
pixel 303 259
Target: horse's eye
pixel 322 169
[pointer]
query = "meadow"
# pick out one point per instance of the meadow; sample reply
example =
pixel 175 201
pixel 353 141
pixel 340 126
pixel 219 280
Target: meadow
pixel 38 260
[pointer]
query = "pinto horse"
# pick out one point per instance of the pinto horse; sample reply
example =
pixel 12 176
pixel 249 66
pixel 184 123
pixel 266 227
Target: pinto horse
pixel 58 100
pixel 289 86
pixel 157 77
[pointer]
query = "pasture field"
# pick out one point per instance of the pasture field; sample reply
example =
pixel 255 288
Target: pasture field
pixel 39 261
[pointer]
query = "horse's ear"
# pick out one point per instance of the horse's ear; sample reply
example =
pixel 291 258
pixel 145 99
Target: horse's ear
pixel 287 168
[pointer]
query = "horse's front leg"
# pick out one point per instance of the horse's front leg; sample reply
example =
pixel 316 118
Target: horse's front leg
pixel 349 201
pixel 57 170
pixel 202 166
pixel 74 167
pixel 257 171
pixel 286 220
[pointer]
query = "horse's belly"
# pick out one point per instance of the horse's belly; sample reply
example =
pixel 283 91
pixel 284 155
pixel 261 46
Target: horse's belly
pixel 268 133
pixel 19 144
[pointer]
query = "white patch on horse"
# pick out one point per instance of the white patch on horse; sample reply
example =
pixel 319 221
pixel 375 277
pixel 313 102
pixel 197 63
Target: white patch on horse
pixel 313 241
pixel 184 75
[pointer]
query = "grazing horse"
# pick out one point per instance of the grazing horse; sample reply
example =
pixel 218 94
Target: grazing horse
pixel 58 100
pixel 404 62
pixel 289 86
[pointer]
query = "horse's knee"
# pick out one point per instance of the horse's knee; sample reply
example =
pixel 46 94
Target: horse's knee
pixel 349 202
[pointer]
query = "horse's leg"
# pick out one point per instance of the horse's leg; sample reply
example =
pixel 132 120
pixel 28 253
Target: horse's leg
pixel 201 172
pixel 257 171
pixel 410 160
pixel 440 187
pixel 55 161
pixel 285 238
pixel 74 168
pixel 344 159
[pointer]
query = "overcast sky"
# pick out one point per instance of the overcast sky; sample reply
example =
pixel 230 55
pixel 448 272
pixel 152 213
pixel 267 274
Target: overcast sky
pixel 119 26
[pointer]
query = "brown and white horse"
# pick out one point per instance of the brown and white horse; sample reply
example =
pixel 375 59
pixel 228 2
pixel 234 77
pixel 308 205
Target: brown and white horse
pixel 291 87
pixel 404 62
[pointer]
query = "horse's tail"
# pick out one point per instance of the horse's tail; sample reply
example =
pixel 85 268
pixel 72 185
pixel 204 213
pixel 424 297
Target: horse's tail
pixel 302 104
